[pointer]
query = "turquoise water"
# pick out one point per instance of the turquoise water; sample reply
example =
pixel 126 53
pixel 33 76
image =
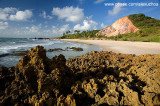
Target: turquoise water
pixel 8 45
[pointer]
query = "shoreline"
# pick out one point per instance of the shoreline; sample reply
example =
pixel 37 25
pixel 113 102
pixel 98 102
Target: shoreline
pixel 125 47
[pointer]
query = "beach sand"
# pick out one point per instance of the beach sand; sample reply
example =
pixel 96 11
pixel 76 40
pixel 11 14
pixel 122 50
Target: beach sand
pixel 126 47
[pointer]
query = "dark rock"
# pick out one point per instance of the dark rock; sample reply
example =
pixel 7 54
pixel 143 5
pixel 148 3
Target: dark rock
pixel 55 49
pixel 68 101
pixel 15 53
pixel 66 49
pixel 76 48
pixel 3 55
pixel 19 53
pixel 6 77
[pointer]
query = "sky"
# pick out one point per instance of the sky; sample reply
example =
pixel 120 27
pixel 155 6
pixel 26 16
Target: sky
pixel 51 18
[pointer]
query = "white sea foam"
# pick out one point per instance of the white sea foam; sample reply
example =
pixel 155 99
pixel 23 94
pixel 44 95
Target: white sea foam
pixel 25 45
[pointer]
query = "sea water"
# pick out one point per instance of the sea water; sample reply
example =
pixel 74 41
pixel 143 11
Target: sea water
pixel 8 45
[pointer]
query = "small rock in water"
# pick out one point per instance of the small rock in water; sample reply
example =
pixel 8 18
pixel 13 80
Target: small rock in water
pixel 3 55
pixel 55 49
pixel 76 48
pixel 15 53
pixel 19 53
pixel 66 49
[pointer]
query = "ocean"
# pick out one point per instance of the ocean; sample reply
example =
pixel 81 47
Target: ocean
pixel 10 45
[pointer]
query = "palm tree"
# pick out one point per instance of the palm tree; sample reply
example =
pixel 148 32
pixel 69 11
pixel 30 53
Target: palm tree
pixel 76 31
pixel 68 32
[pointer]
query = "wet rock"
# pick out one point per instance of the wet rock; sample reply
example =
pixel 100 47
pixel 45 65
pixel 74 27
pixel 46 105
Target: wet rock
pixel 66 49
pixel 76 48
pixel 55 49
pixel 19 53
pixel 3 55
pixel 15 53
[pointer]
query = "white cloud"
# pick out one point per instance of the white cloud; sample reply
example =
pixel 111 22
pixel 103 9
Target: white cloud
pixel 64 28
pixel 44 15
pixel 98 1
pixel 13 14
pixel 103 26
pixel 115 10
pixel 61 30
pixel 21 15
pixel 3 16
pixel 70 14
pixel 9 10
pixel 35 31
pixel 4 13
pixel 87 25
pixel 49 17
pixel 3 25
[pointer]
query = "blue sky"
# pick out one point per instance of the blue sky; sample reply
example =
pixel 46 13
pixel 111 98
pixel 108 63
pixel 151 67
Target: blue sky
pixel 51 18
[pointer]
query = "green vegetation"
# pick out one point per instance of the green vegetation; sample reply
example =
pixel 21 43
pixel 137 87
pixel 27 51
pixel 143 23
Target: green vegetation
pixel 142 21
pixel 77 34
pixel 144 35
pixel 149 31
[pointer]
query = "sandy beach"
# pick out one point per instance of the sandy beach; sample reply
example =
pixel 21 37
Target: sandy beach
pixel 126 47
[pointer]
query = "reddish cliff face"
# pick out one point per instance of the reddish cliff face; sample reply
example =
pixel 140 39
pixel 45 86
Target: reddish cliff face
pixel 121 26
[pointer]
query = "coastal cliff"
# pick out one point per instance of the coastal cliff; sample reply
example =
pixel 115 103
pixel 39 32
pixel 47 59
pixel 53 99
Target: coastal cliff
pixel 121 26
pixel 96 78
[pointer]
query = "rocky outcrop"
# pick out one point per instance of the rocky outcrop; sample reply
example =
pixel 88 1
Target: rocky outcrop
pixel 117 79
pixel 96 78
pixel 121 26
pixel 37 79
